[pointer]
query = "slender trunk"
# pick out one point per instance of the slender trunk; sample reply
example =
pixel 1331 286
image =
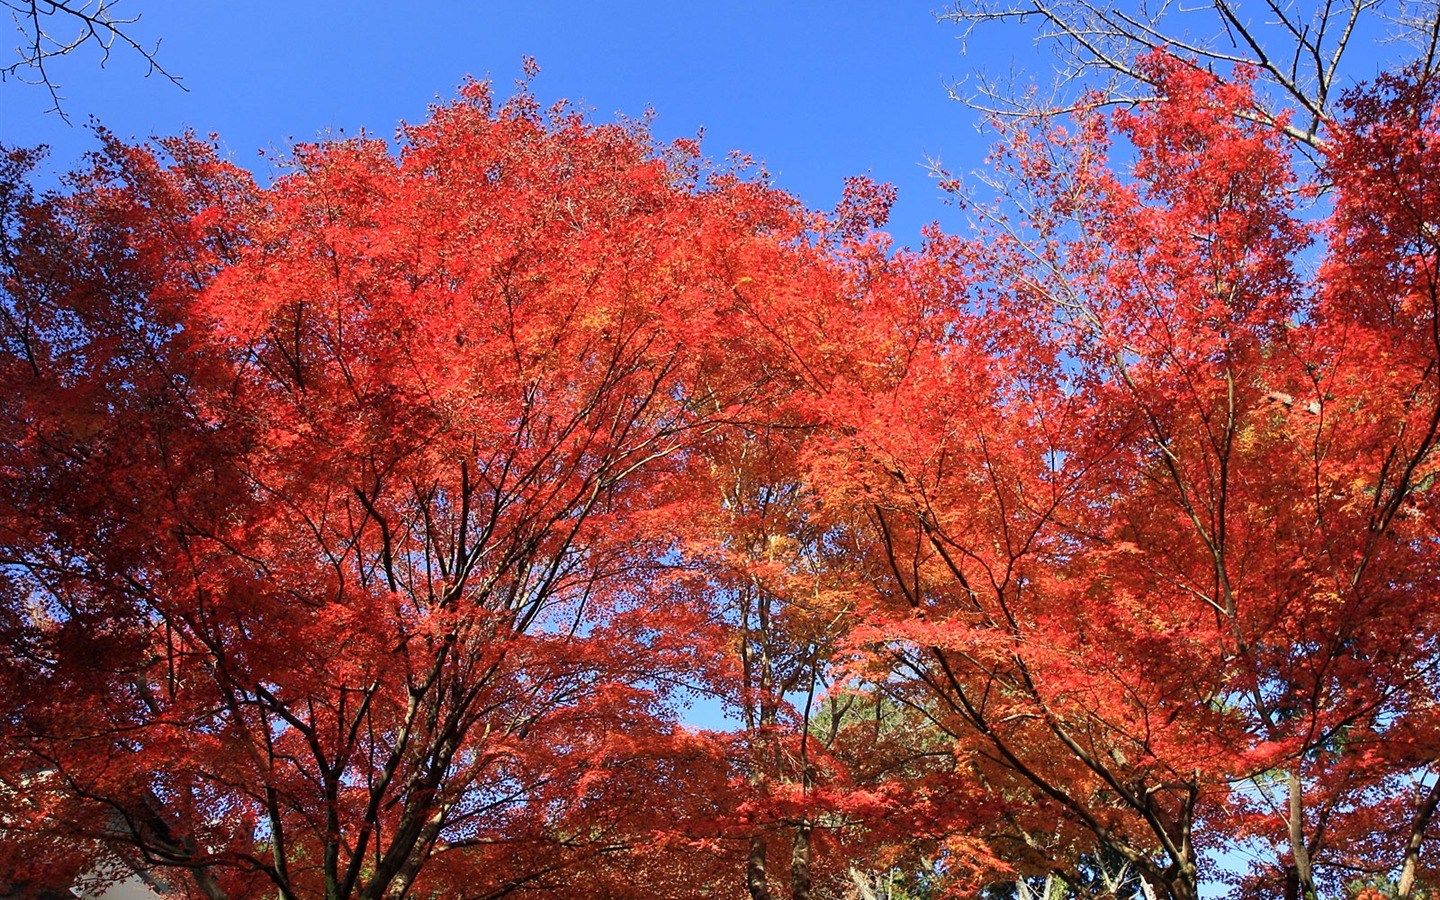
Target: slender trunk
pixel 1185 887
pixel 1181 886
pixel 863 890
pixel 209 886
pixel 1418 824
pixel 800 863
pixel 755 869
pixel 1305 881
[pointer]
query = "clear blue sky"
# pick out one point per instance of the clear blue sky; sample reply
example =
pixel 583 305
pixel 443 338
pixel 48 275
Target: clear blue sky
pixel 816 90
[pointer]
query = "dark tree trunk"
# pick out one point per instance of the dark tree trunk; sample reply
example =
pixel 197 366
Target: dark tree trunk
pixel 800 864
pixel 755 869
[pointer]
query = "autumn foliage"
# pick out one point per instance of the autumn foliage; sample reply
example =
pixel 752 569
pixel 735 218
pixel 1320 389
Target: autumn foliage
pixel 366 534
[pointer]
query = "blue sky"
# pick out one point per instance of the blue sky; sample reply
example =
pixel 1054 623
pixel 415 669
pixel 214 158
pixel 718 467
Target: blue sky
pixel 816 90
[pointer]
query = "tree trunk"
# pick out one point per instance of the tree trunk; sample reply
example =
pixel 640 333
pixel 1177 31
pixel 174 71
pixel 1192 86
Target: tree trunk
pixel 1305 880
pixel 1181 887
pixel 1418 823
pixel 755 869
pixel 863 890
pixel 800 864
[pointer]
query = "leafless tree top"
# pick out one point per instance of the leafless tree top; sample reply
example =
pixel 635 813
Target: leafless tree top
pixel 54 28
pixel 1302 51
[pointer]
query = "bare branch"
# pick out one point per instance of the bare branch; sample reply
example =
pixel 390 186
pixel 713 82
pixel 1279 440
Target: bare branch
pixel 1298 51
pixel 54 28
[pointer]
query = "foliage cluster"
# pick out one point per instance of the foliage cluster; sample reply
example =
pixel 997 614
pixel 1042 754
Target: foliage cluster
pixel 363 535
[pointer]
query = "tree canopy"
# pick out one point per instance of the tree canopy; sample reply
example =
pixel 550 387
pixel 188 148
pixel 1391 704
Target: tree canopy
pixel 365 534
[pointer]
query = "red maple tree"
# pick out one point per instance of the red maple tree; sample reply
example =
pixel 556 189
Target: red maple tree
pixel 332 509
pixel 1150 503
